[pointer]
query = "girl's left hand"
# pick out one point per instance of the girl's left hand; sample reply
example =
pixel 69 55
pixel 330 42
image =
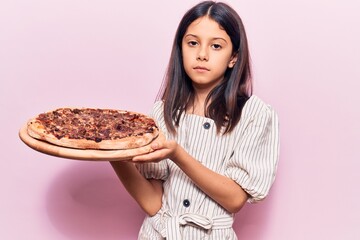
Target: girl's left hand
pixel 162 149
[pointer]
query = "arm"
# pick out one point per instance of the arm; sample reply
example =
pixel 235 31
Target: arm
pixel 147 192
pixel 220 188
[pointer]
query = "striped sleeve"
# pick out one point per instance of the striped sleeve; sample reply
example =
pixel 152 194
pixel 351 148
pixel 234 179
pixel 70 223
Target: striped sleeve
pixel 156 170
pixel 254 162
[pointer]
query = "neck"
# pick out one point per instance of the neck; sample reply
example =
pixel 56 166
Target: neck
pixel 198 108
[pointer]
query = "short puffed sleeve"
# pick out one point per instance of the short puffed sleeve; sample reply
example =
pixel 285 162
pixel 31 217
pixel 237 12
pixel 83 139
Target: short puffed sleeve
pixel 160 169
pixel 157 170
pixel 254 161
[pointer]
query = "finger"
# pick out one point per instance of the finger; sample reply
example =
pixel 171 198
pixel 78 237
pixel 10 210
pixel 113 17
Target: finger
pixel 149 157
pixel 158 144
pixel 155 146
pixel 144 158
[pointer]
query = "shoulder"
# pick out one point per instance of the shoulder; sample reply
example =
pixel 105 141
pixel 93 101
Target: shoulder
pixel 158 104
pixel 157 114
pixel 157 109
pixel 256 112
pixel 256 106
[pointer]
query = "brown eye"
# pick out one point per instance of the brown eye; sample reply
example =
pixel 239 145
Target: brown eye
pixel 216 46
pixel 192 43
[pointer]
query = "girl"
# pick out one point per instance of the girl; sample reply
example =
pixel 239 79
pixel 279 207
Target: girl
pixel 222 143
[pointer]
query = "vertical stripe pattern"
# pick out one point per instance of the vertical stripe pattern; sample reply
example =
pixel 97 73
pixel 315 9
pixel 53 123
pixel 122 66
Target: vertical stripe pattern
pixel 248 155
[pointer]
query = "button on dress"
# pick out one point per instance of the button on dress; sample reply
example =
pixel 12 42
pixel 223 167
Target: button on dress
pixel 206 125
pixel 186 203
pixel 248 155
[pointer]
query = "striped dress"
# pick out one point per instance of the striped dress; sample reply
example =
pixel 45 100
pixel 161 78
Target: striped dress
pixel 248 155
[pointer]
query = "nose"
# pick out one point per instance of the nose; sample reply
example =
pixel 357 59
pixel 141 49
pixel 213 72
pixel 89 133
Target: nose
pixel 203 54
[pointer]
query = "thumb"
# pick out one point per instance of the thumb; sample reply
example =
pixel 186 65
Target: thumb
pixel 155 145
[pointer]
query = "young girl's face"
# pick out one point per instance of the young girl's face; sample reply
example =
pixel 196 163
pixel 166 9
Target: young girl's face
pixel 207 53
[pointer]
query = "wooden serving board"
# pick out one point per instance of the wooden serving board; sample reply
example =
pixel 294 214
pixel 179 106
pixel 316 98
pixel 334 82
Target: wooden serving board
pixel 80 154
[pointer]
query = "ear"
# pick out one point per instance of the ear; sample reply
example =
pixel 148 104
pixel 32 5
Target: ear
pixel 232 61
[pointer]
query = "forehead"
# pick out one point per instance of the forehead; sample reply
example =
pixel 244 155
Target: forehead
pixel 206 27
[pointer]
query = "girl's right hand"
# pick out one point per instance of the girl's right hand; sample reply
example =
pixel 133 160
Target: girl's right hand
pixel 162 149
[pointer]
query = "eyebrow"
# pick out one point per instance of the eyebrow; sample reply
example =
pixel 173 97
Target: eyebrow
pixel 215 38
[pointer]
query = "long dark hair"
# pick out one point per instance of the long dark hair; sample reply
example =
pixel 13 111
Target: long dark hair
pixel 227 99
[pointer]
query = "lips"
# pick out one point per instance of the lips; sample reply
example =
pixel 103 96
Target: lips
pixel 201 68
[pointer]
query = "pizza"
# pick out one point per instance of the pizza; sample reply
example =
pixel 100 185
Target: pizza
pixel 93 128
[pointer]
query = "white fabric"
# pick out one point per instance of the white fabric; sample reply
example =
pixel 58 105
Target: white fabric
pixel 248 155
pixel 173 223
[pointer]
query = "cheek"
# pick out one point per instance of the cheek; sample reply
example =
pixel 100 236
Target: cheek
pixel 186 61
pixel 185 65
pixel 226 61
pixel 222 63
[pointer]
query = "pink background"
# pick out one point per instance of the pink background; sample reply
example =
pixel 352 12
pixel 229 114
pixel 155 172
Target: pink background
pixel 56 53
